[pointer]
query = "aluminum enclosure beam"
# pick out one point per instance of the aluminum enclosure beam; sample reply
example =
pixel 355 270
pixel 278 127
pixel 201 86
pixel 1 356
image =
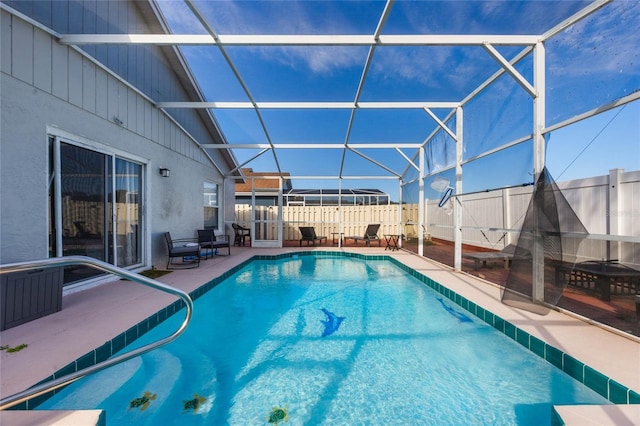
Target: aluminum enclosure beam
pixel 314 146
pixel 194 9
pixel 309 105
pixel 510 70
pixel 299 40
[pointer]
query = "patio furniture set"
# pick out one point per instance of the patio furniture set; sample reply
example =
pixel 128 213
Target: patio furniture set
pixel 191 250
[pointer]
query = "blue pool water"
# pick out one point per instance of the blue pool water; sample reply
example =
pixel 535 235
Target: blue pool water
pixel 328 340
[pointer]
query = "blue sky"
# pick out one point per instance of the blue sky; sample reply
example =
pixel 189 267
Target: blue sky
pixel 591 63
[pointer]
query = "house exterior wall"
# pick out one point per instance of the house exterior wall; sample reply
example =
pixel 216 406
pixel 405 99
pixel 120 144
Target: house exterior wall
pixel 49 88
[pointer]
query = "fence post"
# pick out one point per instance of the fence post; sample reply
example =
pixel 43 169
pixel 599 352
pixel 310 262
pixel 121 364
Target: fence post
pixel 613 213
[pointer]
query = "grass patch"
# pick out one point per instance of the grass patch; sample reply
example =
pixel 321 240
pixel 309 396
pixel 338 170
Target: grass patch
pixel 15 349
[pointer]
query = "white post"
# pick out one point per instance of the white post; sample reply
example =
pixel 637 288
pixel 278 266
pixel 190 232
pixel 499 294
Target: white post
pixel 421 224
pixel 614 224
pixel 538 164
pixel 280 212
pixel 400 228
pixel 340 224
pixel 506 215
pixel 457 209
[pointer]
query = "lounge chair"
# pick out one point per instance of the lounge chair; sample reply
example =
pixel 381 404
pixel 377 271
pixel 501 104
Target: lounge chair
pixel 241 234
pixel 209 242
pixel 309 235
pixel 371 234
pixel 188 251
pixel 506 254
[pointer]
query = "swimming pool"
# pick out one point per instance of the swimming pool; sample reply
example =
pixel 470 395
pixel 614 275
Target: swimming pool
pixel 328 340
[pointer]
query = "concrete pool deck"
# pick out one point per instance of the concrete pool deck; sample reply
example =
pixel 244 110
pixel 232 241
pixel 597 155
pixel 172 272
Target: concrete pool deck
pixel 91 317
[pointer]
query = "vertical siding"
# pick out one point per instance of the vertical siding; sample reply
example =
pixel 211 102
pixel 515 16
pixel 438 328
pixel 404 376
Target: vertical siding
pixel 52 84
pixel 630 209
pixel 630 216
pixel 75 79
pixel 42 11
pixel 88 86
pixel 59 71
pixel 145 67
pixel 112 98
pixel 74 22
pixel 89 22
pixel 22 49
pixel 42 61
pixel 102 94
pixel 6 41
pixel 60 17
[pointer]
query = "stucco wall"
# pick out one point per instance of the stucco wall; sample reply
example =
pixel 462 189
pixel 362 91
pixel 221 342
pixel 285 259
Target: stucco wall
pixel 47 87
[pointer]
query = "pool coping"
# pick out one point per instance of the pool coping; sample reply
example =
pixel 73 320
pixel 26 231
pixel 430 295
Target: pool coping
pixel 609 388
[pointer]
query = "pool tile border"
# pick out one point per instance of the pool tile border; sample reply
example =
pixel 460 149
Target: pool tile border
pixel 598 382
pixel 603 385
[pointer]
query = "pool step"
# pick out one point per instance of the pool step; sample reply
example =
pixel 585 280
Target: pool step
pixel 53 417
pixel 94 390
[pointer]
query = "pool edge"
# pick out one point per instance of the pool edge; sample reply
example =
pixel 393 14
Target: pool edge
pixel 590 377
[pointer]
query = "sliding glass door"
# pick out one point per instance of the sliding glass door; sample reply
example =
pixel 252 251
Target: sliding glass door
pixel 128 214
pixel 95 207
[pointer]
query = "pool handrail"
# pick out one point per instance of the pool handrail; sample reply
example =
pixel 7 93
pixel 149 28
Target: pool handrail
pixel 43 388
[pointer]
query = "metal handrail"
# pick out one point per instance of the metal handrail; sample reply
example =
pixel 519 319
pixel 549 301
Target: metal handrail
pixel 105 267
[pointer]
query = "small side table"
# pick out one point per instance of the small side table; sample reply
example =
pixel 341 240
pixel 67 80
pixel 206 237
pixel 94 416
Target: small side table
pixel 336 238
pixel 392 241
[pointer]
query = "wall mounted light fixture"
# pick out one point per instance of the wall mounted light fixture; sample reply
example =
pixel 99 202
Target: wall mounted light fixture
pixel 164 172
pixel 118 121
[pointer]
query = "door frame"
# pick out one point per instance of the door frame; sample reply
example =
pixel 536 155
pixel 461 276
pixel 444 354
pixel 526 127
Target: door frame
pixel 255 223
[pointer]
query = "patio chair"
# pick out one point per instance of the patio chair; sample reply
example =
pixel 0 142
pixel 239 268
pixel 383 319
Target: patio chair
pixel 506 254
pixel 241 234
pixel 188 251
pixel 371 234
pixel 309 235
pixel 209 242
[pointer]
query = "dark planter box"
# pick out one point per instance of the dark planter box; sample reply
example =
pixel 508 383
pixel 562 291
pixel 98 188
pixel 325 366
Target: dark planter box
pixel 25 296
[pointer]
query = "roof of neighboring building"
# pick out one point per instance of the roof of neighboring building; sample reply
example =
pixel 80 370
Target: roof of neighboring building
pixel 262 181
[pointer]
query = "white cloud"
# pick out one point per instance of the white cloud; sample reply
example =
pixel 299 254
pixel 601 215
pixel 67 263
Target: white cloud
pixel 232 17
pixel 423 65
pixel 603 43
pixel 180 18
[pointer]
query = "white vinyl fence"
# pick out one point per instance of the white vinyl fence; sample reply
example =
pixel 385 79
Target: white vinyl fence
pixel 325 219
pixel 606 205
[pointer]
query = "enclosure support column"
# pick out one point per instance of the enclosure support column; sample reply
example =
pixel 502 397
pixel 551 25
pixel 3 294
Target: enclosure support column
pixel 421 224
pixel 399 215
pixel 280 222
pixel 457 207
pixel 538 165
pixel 340 224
